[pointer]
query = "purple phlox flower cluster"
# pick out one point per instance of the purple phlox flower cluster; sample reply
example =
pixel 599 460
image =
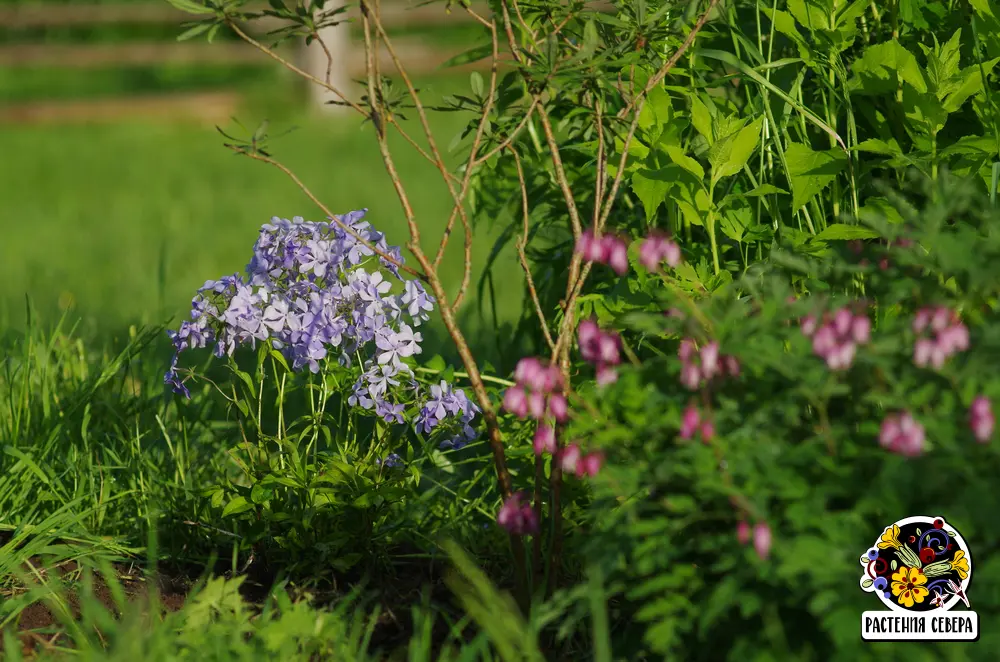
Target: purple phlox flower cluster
pixel 609 249
pixel 947 336
pixel 902 434
pixel 517 516
pixel 306 290
pixel 657 248
pixel 981 419
pixel 701 366
pixel 837 338
pixel 601 348
pixel 451 411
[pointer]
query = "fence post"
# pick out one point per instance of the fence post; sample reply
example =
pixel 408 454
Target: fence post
pixel 337 42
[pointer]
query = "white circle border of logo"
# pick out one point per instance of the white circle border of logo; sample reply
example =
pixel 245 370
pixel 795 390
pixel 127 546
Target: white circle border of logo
pixel 954 599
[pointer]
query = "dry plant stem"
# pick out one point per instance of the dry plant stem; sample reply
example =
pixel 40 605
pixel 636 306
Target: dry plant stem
pixel 291 67
pixel 413 143
pixel 448 318
pixel 513 134
pixel 432 143
pixel 351 231
pixel 577 279
pixel 469 167
pixel 521 255
pixel 327 85
pixel 669 64
pixel 574 213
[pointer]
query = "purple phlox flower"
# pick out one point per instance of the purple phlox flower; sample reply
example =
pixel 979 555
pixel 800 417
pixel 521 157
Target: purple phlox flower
pixel 195 334
pixel 359 397
pixel 397 345
pixel 389 412
pixel 417 301
pixel 172 379
pixel 380 378
pixel 276 314
pixel 392 461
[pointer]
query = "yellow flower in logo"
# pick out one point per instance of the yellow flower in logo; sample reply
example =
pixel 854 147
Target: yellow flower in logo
pixel 890 538
pixel 908 586
pixel 960 564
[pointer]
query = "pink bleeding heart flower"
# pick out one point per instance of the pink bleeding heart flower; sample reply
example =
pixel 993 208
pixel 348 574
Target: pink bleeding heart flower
pixel 707 430
pixel 901 434
pixel 617 253
pixel 591 248
pixel 743 532
pixel 981 419
pixel 545 439
pixel 606 375
pixel 589 465
pixel 690 420
pixel 517 516
pixel 710 359
pixel 569 458
pixel 558 407
pixel 515 400
pixel 762 540
pixel 536 405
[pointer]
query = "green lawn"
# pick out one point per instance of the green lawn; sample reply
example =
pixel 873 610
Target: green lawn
pixel 127 220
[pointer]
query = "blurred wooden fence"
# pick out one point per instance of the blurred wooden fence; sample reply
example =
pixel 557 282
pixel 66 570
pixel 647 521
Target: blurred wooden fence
pixel 418 55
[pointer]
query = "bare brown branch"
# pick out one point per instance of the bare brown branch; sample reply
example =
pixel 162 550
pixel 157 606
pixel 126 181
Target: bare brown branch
pixel 336 219
pixel 521 244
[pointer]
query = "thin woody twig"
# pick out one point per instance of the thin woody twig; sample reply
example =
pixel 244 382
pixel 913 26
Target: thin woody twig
pixel 574 213
pixel 448 319
pixel 656 78
pixel 578 277
pixel 513 134
pixel 524 260
pixel 351 231
pixel 432 143
pixel 467 178
pixel 291 67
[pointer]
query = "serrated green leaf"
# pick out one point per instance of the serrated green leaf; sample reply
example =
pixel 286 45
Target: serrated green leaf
pixel 651 189
pixel 729 155
pixel 701 118
pixel 881 66
pixel 810 172
pixel 678 156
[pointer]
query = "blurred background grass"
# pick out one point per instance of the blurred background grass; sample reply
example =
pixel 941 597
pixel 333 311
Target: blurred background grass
pixel 119 221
